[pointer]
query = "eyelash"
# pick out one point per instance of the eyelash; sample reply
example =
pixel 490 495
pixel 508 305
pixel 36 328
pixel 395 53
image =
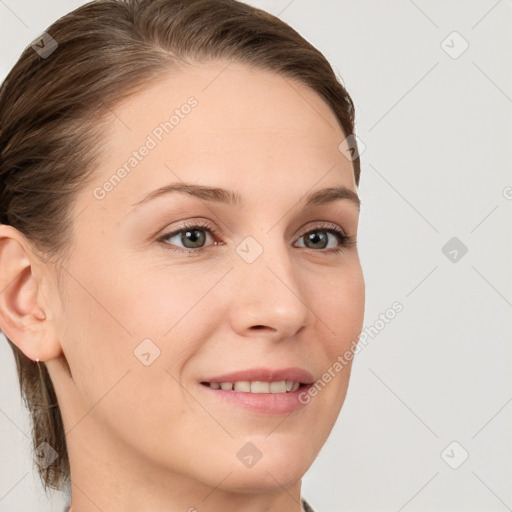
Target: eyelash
pixel 345 241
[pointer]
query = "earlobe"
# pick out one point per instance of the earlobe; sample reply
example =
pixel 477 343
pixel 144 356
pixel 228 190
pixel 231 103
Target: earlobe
pixel 22 318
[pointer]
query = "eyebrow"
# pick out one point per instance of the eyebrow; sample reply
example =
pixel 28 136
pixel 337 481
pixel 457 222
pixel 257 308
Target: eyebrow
pixel 230 198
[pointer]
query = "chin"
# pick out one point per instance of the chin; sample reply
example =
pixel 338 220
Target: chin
pixel 266 479
pixel 273 471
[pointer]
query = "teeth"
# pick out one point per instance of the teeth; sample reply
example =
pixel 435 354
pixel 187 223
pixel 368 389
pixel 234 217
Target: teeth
pixel 260 387
pixel 256 386
pixel 243 385
pixel 277 387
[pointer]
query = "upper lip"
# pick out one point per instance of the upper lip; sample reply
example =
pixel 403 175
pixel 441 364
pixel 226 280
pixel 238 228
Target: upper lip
pixel 294 374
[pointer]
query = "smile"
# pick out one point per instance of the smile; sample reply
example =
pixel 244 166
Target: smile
pixel 256 386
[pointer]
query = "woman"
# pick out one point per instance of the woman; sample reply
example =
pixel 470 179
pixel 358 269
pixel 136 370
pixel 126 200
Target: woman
pixel 178 258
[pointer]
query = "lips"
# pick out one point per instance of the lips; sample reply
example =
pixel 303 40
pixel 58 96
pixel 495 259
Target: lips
pixel 295 374
pixel 265 395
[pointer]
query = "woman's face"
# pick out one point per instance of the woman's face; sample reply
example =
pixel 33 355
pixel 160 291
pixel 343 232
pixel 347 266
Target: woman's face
pixel 263 284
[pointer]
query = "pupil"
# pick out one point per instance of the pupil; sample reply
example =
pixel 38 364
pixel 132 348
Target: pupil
pixel 314 237
pixel 194 235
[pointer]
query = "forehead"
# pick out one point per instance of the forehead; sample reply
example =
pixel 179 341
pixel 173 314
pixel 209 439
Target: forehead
pixel 232 98
pixel 227 124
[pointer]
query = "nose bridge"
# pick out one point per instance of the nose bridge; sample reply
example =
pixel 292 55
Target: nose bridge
pixel 270 292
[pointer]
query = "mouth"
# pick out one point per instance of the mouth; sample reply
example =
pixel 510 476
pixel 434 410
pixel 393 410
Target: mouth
pixel 261 390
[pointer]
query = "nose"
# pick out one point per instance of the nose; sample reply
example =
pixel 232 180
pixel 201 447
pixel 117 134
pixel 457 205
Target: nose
pixel 271 298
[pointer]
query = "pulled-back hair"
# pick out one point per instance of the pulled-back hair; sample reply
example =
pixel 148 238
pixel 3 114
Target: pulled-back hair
pixel 56 97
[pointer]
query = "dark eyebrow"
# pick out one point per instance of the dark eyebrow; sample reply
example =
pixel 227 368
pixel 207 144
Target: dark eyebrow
pixel 223 196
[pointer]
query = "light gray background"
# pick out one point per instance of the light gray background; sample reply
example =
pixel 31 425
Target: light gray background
pixel 437 161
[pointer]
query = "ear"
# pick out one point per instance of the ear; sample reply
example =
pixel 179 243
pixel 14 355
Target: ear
pixel 25 317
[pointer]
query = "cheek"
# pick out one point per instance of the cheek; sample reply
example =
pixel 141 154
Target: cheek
pixel 97 334
pixel 115 310
pixel 160 297
pixel 340 306
pixel 96 342
pixel 107 316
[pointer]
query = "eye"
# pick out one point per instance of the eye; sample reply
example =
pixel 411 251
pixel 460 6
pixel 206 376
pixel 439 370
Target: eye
pixel 191 235
pixel 318 238
pixel 194 237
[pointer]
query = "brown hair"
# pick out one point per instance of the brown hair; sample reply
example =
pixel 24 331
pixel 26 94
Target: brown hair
pixel 51 111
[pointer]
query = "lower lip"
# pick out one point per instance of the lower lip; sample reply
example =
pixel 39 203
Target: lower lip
pixel 266 403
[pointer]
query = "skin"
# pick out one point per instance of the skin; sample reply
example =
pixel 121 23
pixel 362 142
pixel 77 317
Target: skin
pixel 148 437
